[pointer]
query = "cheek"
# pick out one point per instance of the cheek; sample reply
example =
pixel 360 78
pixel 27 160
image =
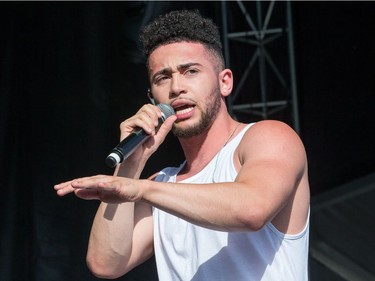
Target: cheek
pixel 205 87
pixel 160 95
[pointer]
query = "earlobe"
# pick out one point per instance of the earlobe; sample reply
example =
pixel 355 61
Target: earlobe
pixel 150 97
pixel 226 82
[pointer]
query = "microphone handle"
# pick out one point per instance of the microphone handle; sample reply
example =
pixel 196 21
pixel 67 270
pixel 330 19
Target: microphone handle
pixel 126 147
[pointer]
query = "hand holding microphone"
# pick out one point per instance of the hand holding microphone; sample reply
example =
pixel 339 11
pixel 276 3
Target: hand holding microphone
pixel 129 144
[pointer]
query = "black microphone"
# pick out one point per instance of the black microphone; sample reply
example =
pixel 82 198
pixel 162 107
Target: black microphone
pixel 128 145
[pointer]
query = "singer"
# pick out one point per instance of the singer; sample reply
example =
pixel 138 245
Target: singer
pixel 236 209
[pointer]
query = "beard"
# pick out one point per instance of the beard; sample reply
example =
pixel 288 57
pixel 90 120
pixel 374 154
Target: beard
pixel 212 106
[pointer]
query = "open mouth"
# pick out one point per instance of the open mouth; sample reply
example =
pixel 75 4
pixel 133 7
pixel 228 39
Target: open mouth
pixel 184 111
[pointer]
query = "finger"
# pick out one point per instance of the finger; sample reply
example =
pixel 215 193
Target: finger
pixel 105 192
pixel 170 121
pixel 90 182
pixel 166 127
pixel 141 120
pixel 150 114
pixel 61 185
pixel 62 190
pixel 153 143
pixel 152 111
pixel 87 194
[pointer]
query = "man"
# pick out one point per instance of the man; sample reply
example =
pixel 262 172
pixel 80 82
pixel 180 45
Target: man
pixel 236 209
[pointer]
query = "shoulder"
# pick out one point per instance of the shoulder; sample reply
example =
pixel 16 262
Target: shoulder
pixel 271 126
pixel 271 138
pixel 269 132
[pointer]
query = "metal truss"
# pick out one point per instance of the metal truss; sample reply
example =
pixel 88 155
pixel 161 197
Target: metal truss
pixel 276 88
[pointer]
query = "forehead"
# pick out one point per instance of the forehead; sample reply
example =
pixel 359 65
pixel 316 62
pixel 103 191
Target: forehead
pixel 174 54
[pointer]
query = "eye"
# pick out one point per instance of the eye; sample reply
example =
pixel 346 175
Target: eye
pixel 161 78
pixel 191 71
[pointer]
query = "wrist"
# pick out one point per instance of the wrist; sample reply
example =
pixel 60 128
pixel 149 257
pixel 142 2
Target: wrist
pixel 144 187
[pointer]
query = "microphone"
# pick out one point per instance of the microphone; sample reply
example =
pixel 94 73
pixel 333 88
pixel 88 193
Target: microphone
pixel 128 145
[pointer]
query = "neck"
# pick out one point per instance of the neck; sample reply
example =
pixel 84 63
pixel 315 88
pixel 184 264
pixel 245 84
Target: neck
pixel 199 150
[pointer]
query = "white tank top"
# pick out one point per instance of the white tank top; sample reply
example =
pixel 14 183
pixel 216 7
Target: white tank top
pixel 184 251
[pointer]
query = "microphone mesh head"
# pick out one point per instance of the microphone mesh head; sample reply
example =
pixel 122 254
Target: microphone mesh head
pixel 166 110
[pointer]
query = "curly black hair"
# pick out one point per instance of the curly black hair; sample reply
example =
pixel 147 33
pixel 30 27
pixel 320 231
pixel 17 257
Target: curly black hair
pixel 183 25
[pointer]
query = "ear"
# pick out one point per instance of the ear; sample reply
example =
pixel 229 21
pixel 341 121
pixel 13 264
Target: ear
pixel 150 97
pixel 226 82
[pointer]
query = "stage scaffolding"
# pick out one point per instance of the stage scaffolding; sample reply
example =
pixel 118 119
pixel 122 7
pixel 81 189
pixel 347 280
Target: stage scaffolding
pixel 263 40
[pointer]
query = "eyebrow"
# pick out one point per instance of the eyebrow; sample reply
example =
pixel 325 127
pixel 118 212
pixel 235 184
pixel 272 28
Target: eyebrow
pixel 168 70
pixel 164 71
pixel 187 65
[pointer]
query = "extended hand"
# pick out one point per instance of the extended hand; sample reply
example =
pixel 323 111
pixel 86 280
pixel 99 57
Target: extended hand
pixel 109 189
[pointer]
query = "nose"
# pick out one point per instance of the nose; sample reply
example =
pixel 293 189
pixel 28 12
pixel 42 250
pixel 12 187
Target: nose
pixel 177 85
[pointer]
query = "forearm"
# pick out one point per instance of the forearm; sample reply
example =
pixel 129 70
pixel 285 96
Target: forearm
pixel 110 243
pixel 130 168
pixel 219 206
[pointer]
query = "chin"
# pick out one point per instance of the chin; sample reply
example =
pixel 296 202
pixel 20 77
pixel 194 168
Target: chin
pixel 188 131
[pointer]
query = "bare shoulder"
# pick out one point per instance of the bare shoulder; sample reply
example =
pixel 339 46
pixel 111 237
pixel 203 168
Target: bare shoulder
pixel 271 138
pixel 271 128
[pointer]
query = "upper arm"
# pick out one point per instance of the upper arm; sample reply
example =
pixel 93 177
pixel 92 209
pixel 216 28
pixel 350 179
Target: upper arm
pixel 271 162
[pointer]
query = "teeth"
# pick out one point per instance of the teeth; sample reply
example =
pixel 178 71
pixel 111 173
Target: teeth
pixel 183 111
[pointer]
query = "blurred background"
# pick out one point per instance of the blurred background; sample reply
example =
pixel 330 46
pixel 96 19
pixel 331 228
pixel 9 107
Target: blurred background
pixel 70 72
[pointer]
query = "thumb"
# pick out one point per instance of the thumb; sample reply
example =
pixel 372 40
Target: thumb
pixel 166 127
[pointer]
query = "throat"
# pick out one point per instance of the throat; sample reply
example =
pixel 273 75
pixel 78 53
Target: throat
pixel 200 156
